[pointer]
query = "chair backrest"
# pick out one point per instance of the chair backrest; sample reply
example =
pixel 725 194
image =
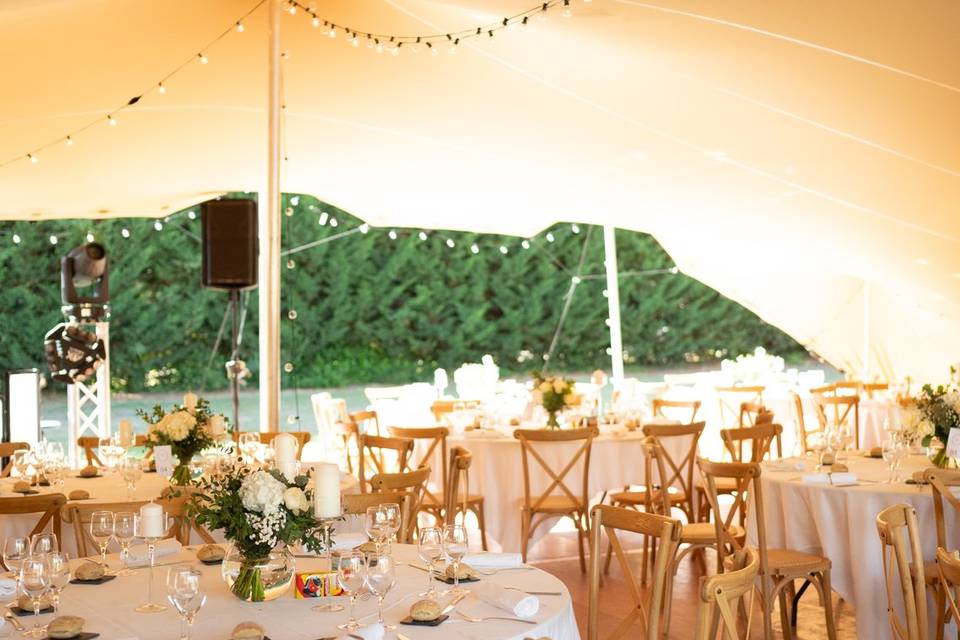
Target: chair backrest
pixel 948 569
pixel 754 413
pixel 801 423
pixel 719 595
pixel 679 468
pixel 357 504
pixel 303 437
pixel 48 505
pixel 6 451
pixel 837 411
pixel 78 514
pixel 458 477
pixel 382 454
pixel 411 482
pixel 759 441
pixel 349 433
pixel 532 444
pixel 659 404
pixel 666 531
pixel 367 421
pixel 731 400
pixel 870 388
pixel 940 481
pixel 89 444
pixel 175 501
pixel 437 448
pixel 746 482
pixel 892 523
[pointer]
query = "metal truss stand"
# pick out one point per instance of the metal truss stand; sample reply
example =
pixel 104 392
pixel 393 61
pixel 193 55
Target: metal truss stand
pixel 88 402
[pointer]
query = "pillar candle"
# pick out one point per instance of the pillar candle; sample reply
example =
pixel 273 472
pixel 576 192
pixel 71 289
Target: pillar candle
pixel 151 521
pixel 285 454
pixel 218 426
pixel 125 433
pixel 326 490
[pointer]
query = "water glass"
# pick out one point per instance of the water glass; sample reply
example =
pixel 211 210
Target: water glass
pixel 186 595
pixel 131 470
pixel 124 528
pixel 375 526
pixel 21 462
pixel 351 576
pixel 891 456
pixel 392 520
pixel 42 543
pixel 382 577
pixel 35 582
pixel 15 551
pixel 58 564
pixel 430 548
pixel 102 530
pixel 455 547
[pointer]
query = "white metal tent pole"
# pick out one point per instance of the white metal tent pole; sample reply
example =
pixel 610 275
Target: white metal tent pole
pixel 270 242
pixel 865 376
pixel 613 302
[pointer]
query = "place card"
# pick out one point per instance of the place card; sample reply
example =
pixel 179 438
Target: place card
pixel 163 457
pixel 953 444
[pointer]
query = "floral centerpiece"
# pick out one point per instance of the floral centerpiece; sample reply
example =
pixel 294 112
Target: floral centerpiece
pixel 553 393
pixel 188 428
pixel 931 415
pixel 261 513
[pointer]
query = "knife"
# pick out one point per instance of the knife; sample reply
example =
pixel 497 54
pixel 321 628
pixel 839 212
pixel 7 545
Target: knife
pixel 453 604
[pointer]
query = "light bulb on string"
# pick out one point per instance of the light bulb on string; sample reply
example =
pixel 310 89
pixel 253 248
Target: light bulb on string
pixel 16 238
pixel 333 32
pixel 90 237
pixel 161 89
pixel 422 235
pixel 125 233
pixel 550 237
pixel 453 47
pixel 54 240
pixel 566 9
pixel 111 121
pixel 379 46
pixel 291 419
pixel 295 201
pixel 240 27
pixel 392 235
pixel 292 314
pixel 504 250
pixel 289 211
pixel 525 244
pixel 333 222
pixel 324 216
pixel 288 367
pixel 158 225
pixel 33 158
pixel 575 228
pixel 202 58
pixel 315 22
pixel 192 214
pixel 355 41
pixel 291 264
pixel 474 249
pixel 451 243
pixel 69 141
pixel 522 25
pixel 364 228
pixel 293 9
pixel 395 51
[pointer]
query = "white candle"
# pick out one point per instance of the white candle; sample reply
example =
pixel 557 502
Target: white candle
pixel 125 433
pixel 285 449
pixel 151 521
pixel 218 425
pixel 326 490
pixel 190 402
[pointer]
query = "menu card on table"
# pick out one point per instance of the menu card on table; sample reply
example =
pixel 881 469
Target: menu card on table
pixel 163 457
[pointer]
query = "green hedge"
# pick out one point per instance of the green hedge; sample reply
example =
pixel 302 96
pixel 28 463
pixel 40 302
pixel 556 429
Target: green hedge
pixel 370 308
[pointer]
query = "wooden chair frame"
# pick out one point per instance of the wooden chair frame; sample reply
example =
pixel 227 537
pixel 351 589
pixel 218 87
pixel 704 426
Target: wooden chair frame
pixel 175 504
pixel 659 404
pixel 303 437
pixel 78 514
pixel 679 473
pixel 721 593
pixel 48 505
pixel 460 461
pixel 801 423
pixel 845 408
pixel 948 573
pixel 578 506
pixel 870 388
pixel 732 399
pixel 7 449
pixel 411 482
pixel 372 449
pixel 761 439
pixel 358 503
pixel 433 500
pixel 940 480
pixel 892 522
pixel 608 519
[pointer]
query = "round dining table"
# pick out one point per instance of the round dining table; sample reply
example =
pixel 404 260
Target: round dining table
pixel 108 608
pixel 839 522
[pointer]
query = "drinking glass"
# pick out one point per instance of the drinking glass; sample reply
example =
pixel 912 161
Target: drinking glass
pixel 382 577
pixel 15 551
pixel 124 528
pixel 430 547
pixel 351 576
pixel 58 564
pixel 131 470
pixel 55 451
pixel 374 525
pixel 392 519
pixel 105 448
pixel 34 582
pixel 42 543
pixel 56 472
pixel 186 595
pixel 455 547
pixel 891 456
pixel 21 462
pixel 101 530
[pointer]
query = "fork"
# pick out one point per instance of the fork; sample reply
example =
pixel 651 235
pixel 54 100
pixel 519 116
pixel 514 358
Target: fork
pixel 9 615
pixel 491 572
pixel 474 619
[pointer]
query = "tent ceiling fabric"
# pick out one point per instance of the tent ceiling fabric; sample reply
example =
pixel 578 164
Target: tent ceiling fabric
pixel 783 153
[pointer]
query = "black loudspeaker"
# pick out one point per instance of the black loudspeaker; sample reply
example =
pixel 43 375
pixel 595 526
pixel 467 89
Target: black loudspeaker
pixel 229 243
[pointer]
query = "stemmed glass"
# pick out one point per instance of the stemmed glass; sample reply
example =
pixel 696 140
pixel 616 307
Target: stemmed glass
pixel 391 520
pixel 58 564
pixel 455 547
pixel 56 472
pixel 351 576
pixel 891 455
pixel 124 528
pixel 15 551
pixel 382 577
pixel 42 543
pixel 34 582
pixel 185 594
pixel 131 471
pixel 430 548
pixel 374 525
pixel 21 462
pixel 101 530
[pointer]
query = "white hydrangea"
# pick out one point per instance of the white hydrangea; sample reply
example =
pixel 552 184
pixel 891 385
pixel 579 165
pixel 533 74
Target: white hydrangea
pixel 177 425
pixel 262 493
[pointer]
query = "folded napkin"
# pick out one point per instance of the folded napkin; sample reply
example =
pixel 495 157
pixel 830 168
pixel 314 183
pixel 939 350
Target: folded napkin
pixel 347 541
pixel 370 632
pixel 835 479
pixel 784 465
pixel 8 588
pixel 493 560
pixel 140 555
pixel 518 603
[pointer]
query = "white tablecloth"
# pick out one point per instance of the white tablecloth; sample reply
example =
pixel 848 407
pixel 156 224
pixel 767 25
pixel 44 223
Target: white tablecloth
pixel 108 608
pixel 840 523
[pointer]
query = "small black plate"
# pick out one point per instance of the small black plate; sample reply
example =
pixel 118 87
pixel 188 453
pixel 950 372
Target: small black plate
pixel 212 562
pixel 26 492
pixel 99 475
pixel 83 635
pixel 17 611
pixel 424 623
pixel 444 579
pixel 99 580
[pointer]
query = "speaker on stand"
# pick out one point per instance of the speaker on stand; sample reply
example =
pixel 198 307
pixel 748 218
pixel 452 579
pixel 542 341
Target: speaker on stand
pixel 230 254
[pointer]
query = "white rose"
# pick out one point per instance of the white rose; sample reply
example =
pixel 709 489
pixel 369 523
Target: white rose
pixel 190 402
pixel 262 493
pixel 545 386
pixel 295 500
pixel 179 424
pixel 925 428
pixel 559 385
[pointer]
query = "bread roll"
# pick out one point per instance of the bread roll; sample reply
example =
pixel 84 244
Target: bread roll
pixel 79 494
pixel 89 471
pixel 26 603
pixel 21 485
pixel 247 631
pixel 210 553
pixel 65 627
pixel 466 572
pixel 88 571
pixel 425 610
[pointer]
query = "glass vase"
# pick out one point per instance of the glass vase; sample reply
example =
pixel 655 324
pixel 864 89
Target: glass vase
pixel 258 579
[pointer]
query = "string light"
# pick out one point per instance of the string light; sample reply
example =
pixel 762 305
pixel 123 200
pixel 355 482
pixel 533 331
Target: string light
pixel 111 121
pixel 240 27
pixel 364 228
pixel 324 216
pixel 203 59
pixel 125 233
pixel 295 201
pixel 525 244
pixel 549 237
pixel 392 235
pixel 504 250
pixel 316 21
pixel 422 235
pixel 291 264
pixel 33 158
pixel 333 222
pixel 158 225
pixel 53 240
pixel 332 33
pixel 192 214
pixel 161 89
pixel 575 228
pixel 16 238
pixel 69 141
pixel 566 9
pixel 90 237
pixel 474 249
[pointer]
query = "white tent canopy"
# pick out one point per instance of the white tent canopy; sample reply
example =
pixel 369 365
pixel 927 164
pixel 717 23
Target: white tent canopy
pixel 790 155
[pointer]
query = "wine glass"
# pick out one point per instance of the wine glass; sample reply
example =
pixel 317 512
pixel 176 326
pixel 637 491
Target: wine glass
pixel 248 446
pixel 58 564
pixel 430 548
pixel 124 528
pixel 185 594
pixel 374 526
pixel 34 582
pixel 15 551
pixel 392 519
pixel 105 448
pixel 455 547
pixel 891 456
pixel 56 472
pixel 21 462
pixel 351 576
pixel 101 530
pixel 381 577
pixel 42 543
pixel 131 470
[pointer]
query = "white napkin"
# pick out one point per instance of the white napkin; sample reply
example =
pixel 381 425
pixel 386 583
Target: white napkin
pixel 493 560
pixel 836 479
pixel 784 465
pixel 518 603
pixel 140 556
pixel 369 632
pixel 346 541
pixel 8 588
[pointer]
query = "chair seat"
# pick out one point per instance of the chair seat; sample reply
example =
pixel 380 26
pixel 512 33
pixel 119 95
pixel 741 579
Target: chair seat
pixel 788 561
pixel 639 497
pixel 706 533
pixel 558 504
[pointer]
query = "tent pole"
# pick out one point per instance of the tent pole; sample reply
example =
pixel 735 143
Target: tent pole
pixel 866 331
pixel 270 241
pixel 613 302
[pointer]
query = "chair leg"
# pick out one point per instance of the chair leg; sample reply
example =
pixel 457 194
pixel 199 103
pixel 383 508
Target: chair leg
pixel 940 604
pixel 525 533
pixel 766 603
pixel 784 615
pixel 668 598
pixel 481 520
pixel 828 604
pixel 580 526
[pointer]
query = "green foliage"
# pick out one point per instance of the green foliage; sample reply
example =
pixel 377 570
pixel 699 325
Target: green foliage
pixel 374 309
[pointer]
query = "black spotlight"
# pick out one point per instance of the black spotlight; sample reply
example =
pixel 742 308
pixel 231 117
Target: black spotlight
pixel 84 283
pixel 73 354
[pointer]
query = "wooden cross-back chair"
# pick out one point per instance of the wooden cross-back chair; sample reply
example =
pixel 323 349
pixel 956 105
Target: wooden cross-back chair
pixel 458 498
pixel 48 505
pixel 382 454
pixel 357 504
pixel 303 437
pixel 834 412
pixel 779 568
pixel 802 434
pixel 948 573
pixel 7 450
pixel 546 504
pixel 898 529
pixel 91 445
pixel 78 514
pixel 940 481
pixel 871 388
pixel 367 421
pixel 443 408
pixel 666 531
pixel 731 400
pixel 174 501
pixel 349 434
pixel 411 482
pixel 754 413
pixel 659 404
pixel 722 594
pixel 434 498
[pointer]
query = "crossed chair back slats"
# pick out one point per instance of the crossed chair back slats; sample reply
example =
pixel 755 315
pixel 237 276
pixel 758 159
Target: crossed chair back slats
pixel 940 481
pixel 382 454
pixel 679 470
pixel 411 482
pixel 175 502
pixel 745 479
pixel 7 450
pixel 720 594
pixel 758 440
pixel 79 514
pixel 358 503
pixel 437 448
pixel 607 519
pixel 48 505
pixel 801 423
pixel 753 414
pixel 837 411
pixel 532 442
pixel 948 570
pixel 892 523
pixel 659 404
pixel 367 421
pixel 731 400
